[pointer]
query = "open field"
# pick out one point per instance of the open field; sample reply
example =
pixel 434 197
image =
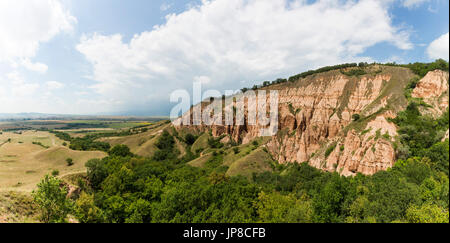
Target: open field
pixel 71 124
pixel 23 164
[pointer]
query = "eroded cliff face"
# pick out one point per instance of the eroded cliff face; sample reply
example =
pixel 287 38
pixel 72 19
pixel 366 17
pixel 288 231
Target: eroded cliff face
pixel 316 119
pixel 433 89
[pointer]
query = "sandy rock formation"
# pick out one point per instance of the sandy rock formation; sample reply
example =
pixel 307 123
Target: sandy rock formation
pixel 315 114
pixel 433 89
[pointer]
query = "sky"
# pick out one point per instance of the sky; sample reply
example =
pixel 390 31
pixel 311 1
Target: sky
pixel 115 57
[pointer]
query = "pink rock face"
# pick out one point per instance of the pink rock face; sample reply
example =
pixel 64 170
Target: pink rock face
pixel 433 89
pixel 314 111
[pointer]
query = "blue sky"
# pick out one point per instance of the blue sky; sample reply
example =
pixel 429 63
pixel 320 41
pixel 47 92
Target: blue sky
pixel 126 57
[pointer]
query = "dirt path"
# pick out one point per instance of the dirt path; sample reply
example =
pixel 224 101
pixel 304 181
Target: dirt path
pixel 1 144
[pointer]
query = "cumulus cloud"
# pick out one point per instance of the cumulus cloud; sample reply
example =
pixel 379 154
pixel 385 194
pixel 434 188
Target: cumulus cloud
pixel 439 48
pixel 24 24
pixel 225 42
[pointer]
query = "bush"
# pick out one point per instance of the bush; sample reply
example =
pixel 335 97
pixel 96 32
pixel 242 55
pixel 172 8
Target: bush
pixel 52 200
pixel 236 150
pixel 215 143
pixel 355 72
pixel 330 150
pixel 190 139
pixel 166 146
pixel 69 161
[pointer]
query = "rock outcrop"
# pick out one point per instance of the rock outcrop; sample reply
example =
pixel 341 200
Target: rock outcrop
pixel 433 89
pixel 316 118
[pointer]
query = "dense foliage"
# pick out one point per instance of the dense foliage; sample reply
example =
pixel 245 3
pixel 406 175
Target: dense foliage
pixel 51 200
pixel 422 69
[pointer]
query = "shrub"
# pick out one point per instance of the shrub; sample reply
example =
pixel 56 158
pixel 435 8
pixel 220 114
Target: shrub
pixel 52 200
pixel 236 150
pixel 69 161
pixel 190 139
pixel 330 150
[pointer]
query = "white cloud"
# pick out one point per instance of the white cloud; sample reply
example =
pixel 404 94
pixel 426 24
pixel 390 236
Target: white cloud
pixel 166 6
pixel 36 67
pixel 413 3
pixel 54 85
pixel 19 95
pixel 17 86
pixel 24 24
pixel 202 79
pixel 439 48
pixel 233 40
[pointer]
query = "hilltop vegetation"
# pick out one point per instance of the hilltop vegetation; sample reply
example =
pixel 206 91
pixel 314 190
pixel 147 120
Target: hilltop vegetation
pixel 356 69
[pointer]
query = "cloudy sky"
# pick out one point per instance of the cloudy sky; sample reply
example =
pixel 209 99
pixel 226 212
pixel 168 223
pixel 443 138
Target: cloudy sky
pixel 126 57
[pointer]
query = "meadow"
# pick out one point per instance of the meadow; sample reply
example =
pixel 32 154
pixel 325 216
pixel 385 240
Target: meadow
pixel 25 157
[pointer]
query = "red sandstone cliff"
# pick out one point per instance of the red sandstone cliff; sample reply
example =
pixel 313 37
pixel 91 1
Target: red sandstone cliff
pixel 316 125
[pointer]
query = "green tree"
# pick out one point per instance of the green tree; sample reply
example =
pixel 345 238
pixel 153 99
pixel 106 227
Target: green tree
pixel 277 208
pixel 86 211
pixel 120 150
pixel 96 172
pixel 52 200
pixel 427 213
pixel 69 161
pixel 328 202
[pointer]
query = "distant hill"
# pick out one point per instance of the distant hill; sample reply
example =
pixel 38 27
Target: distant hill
pixel 44 116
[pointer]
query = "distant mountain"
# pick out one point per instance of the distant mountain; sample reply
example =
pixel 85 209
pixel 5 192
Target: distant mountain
pixel 20 116
pixel 44 116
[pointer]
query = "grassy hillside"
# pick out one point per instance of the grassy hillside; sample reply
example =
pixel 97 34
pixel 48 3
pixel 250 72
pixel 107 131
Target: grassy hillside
pixel 142 144
pixel 17 207
pixel 22 163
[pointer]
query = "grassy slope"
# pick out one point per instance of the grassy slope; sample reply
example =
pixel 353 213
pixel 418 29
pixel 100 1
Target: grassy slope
pixel 17 207
pixel 142 144
pixel 249 158
pixel 22 165
pixel 257 161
